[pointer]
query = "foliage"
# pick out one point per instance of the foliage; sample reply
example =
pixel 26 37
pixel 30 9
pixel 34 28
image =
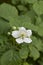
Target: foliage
pixel 26 13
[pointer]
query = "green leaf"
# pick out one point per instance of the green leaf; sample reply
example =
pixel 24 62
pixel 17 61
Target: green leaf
pixel 4 45
pixel 40 61
pixel 10 58
pixel 23 52
pixel 26 21
pixel 34 53
pixel 37 43
pixel 31 1
pixel 40 29
pixel 28 1
pixel 1 41
pixel 22 8
pixel 25 63
pixel 2 38
pixel 38 21
pixel 4 26
pixel 38 7
pixel 7 11
pixel 15 2
pixel 20 21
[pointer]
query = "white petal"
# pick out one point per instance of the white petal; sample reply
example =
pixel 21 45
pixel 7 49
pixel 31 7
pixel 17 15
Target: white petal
pixel 19 40
pixel 15 34
pixel 22 28
pixel 27 40
pixel 29 33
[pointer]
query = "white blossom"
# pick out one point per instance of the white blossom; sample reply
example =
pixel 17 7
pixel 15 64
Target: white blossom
pixel 22 35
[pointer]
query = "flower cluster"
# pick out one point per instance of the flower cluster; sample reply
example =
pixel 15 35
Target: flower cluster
pixel 22 35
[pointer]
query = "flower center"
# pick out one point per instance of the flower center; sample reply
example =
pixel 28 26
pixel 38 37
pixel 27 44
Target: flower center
pixel 23 35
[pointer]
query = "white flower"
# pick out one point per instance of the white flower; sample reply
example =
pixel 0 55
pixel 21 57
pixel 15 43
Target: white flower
pixel 22 35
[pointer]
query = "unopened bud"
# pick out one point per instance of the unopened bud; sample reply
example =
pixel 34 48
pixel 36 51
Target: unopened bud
pixel 14 27
pixel 8 33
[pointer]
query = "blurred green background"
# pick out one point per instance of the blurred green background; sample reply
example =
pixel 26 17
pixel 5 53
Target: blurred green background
pixel 26 13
